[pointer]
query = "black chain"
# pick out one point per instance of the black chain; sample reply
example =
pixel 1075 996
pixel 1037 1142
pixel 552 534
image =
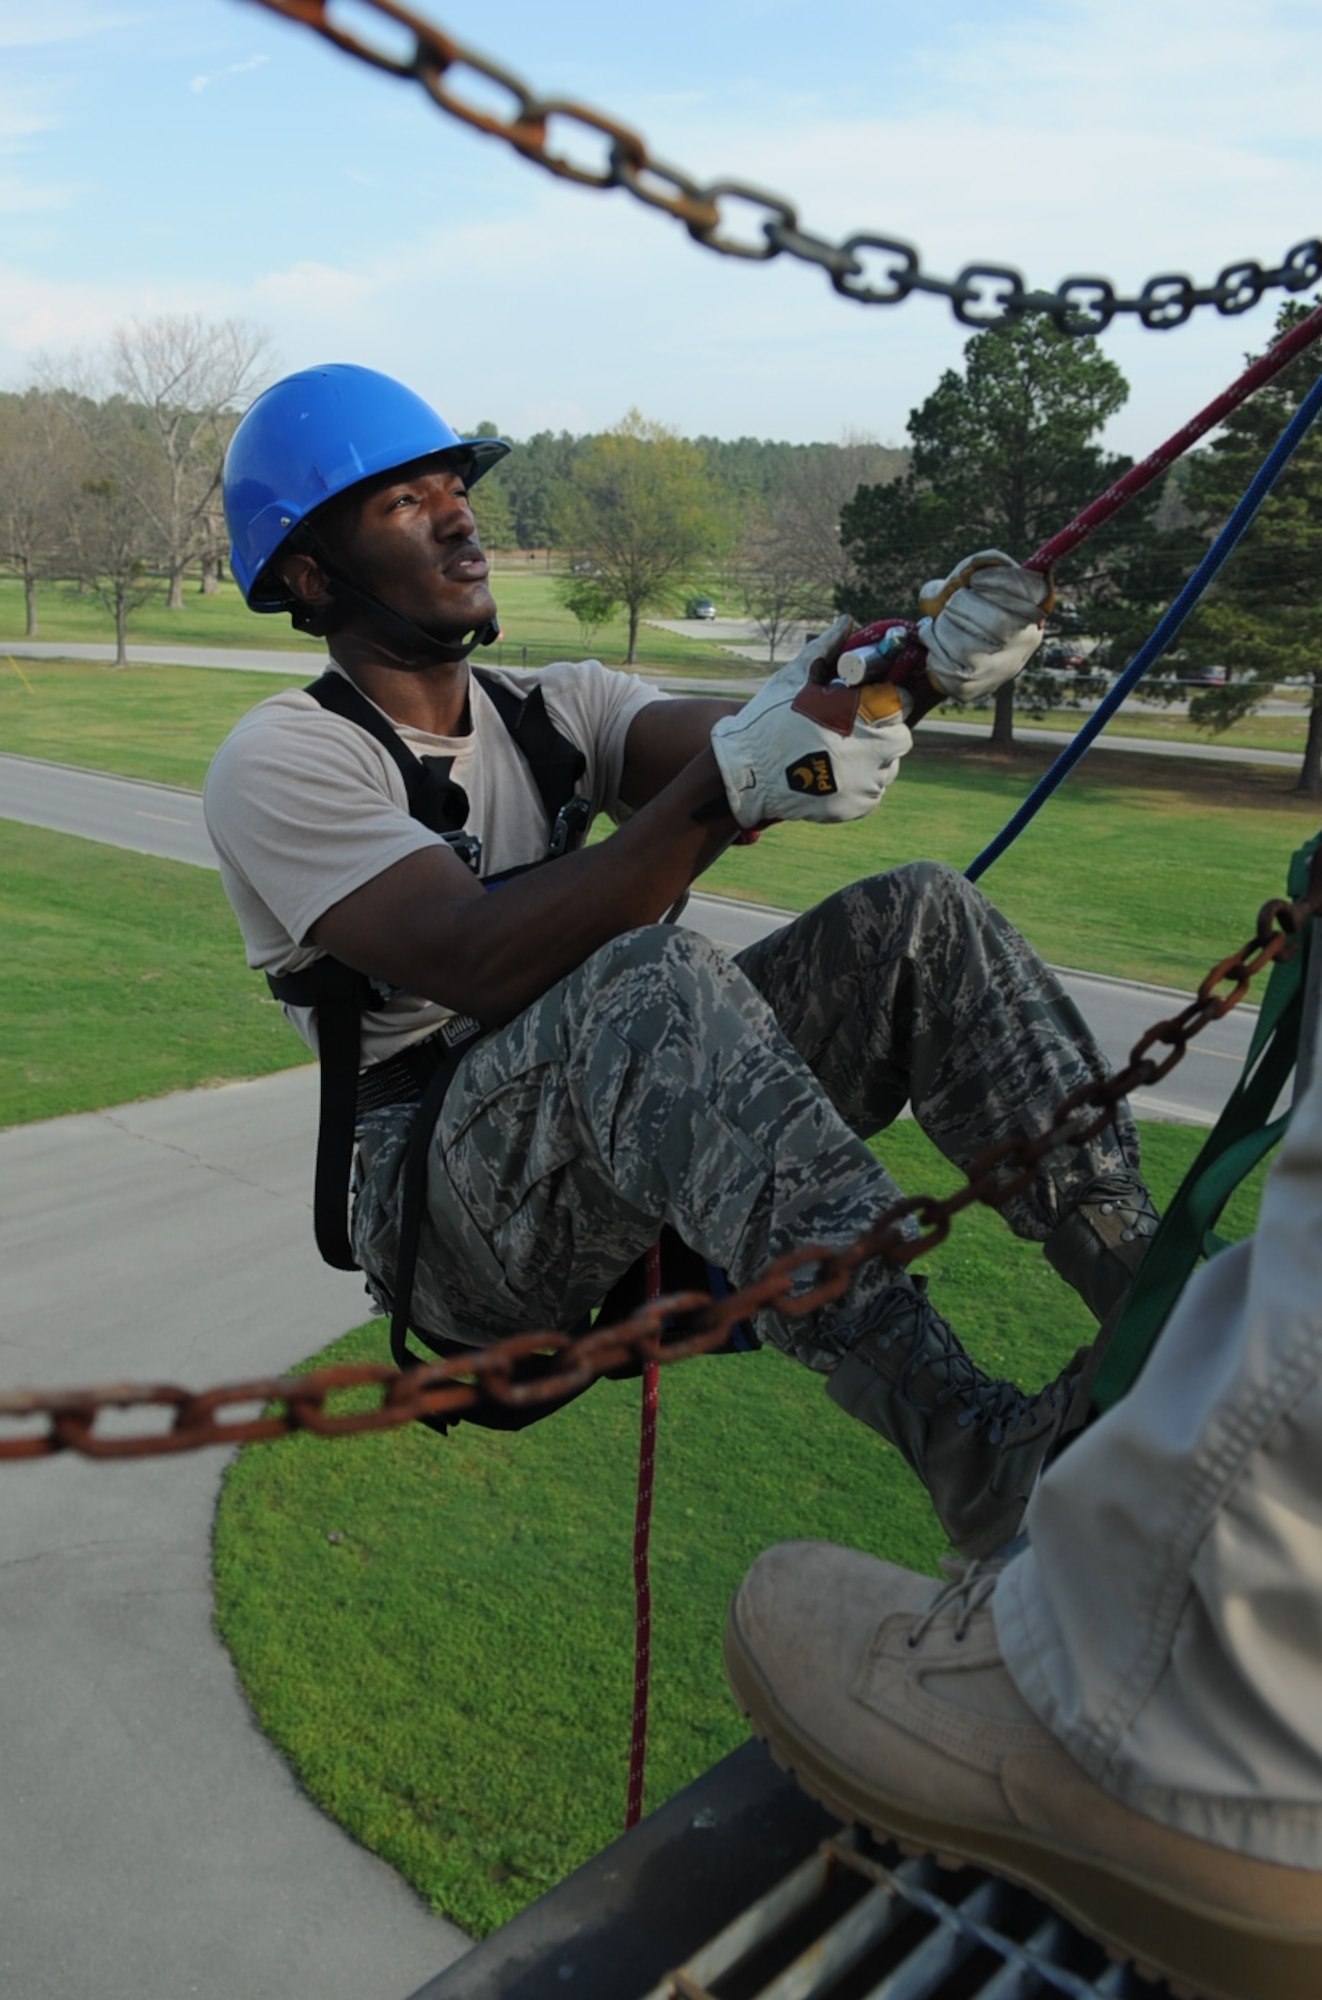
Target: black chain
pixel 874 270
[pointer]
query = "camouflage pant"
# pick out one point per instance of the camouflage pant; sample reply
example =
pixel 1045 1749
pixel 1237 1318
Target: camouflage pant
pixel 664 1082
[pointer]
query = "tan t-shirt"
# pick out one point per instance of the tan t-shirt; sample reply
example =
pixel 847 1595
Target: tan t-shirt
pixel 304 807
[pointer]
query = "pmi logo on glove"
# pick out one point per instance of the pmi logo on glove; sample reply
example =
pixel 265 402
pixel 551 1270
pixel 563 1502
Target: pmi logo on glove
pixel 814 775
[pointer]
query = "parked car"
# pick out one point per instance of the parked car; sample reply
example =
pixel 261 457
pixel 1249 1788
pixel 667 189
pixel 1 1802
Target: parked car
pixel 699 607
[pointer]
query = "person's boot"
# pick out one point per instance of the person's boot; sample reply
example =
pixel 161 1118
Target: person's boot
pixel 976 1443
pixel 1097 1249
pixel 887 1697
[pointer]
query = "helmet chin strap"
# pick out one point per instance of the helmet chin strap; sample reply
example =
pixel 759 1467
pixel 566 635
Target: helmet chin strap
pixel 394 622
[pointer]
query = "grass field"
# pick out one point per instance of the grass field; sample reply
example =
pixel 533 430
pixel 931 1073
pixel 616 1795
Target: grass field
pixel 437 1632
pixel 122 977
pixel 1138 867
pixel 160 723
pixel 65 612
pixel 1255 732
pixel 531 616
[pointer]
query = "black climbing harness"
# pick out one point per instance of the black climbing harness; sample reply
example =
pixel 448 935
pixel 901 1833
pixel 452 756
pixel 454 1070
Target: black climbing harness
pixel 339 995
pixel 422 1072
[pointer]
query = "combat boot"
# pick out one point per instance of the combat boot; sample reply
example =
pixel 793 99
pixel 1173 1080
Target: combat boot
pixel 1097 1250
pixel 1098 1247
pixel 976 1443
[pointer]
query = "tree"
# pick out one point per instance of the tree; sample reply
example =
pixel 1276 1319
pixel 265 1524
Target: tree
pixel 1151 547
pixel 1002 456
pixel 189 377
pixel 489 500
pixel 640 506
pixel 37 479
pixel 767 574
pixel 590 601
pixel 112 535
pixel 791 562
pixel 534 478
pixel 1262 619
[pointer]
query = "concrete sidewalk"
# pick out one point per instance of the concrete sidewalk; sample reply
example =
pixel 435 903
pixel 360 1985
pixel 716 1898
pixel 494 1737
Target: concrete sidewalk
pixel 152 1844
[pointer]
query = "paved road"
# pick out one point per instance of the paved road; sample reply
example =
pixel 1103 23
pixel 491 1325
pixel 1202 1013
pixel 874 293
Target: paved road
pixel 241 659
pixel 160 819
pixel 246 660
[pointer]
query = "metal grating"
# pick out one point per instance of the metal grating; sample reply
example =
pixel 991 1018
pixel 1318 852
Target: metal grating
pixel 858 1922
pixel 752 1892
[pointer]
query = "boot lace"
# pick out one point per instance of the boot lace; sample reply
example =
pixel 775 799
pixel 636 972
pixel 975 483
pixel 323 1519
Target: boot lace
pixel 934 1352
pixel 963 1596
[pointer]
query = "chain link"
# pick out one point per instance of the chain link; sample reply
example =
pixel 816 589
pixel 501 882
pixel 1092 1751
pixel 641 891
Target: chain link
pixel 982 295
pixel 670 1329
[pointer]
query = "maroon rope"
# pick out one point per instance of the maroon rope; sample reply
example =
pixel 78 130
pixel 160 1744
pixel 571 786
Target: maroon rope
pixel 1291 343
pixel 642 1588
pixel 910 659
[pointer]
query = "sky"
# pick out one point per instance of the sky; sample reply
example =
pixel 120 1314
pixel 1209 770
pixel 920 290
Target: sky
pixel 205 156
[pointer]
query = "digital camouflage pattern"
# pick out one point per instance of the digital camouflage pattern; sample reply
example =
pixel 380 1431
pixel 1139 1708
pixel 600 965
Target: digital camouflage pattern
pixel 664 1082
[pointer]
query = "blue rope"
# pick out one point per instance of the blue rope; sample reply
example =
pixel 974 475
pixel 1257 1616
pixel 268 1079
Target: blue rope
pixel 1152 649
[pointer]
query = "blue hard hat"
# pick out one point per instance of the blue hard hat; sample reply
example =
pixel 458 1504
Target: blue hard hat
pixel 313 435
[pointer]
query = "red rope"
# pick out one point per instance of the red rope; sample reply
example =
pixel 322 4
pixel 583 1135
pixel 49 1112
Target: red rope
pixel 911 658
pixel 642 1588
pixel 1291 344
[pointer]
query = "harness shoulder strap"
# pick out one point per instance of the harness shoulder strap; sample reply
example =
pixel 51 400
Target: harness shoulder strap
pixel 556 763
pixel 433 797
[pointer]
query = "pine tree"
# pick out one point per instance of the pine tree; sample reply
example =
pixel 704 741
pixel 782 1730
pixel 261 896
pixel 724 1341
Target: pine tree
pixel 1262 619
pixel 1003 455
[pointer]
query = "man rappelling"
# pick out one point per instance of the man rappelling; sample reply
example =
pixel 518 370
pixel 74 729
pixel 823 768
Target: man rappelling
pixel 574 1072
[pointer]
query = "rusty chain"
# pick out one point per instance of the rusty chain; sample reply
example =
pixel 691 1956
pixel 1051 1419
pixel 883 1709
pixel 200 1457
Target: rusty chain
pixel 873 269
pixel 670 1329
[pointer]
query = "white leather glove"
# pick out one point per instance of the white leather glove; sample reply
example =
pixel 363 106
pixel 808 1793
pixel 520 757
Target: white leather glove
pixel 808 747
pixel 983 623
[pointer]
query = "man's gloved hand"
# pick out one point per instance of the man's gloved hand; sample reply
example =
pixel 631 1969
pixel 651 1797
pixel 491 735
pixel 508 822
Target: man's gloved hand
pixel 982 624
pixel 808 747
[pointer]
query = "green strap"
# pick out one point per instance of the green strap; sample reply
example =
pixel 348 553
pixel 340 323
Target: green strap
pixel 1240 1138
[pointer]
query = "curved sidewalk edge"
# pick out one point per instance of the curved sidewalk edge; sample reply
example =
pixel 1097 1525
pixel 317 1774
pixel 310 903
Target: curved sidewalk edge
pixel 154 1844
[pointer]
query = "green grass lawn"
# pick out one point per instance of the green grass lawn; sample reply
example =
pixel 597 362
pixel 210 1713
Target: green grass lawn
pixel 535 628
pixel 1254 732
pixel 1141 867
pixel 122 977
pixel 437 1632
pixel 65 612
pixel 159 723
pixel 1138 867
pixel 532 616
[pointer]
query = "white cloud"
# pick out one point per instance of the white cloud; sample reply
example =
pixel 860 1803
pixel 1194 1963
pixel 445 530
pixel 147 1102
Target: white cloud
pixel 40 315
pixel 24 26
pixel 22 122
pixel 18 197
pixel 200 83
